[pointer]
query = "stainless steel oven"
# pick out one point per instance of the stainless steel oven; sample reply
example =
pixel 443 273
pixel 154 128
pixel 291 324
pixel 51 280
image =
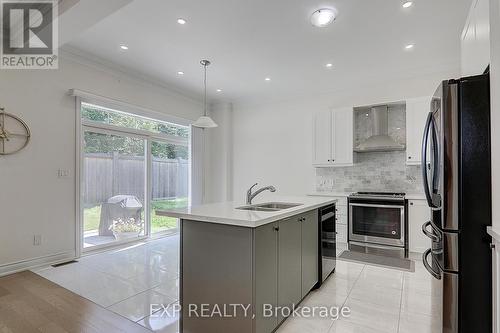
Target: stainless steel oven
pixel 377 219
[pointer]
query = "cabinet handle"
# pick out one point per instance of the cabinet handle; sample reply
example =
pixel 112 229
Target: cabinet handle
pixel 411 203
pixel 492 246
pixel 409 157
pixel 276 228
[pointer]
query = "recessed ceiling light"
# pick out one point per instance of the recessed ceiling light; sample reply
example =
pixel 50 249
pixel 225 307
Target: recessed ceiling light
pixel 409 46
pixel 329 65
pixel 323 17
pixel 367 114
pixel 182 21
pixel 407 3
pixel 267 79
pixel 180 73
pixel 219 90
pixel 124 47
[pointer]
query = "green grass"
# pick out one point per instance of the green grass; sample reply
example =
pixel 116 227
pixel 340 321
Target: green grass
pixel 92 215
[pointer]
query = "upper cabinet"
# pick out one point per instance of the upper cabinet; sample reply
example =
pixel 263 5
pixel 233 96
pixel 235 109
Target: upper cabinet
pixel 333 138
pixel 417 110
pixel 475 41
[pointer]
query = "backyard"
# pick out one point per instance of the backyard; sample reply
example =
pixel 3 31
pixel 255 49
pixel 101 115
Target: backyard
pixel 92 215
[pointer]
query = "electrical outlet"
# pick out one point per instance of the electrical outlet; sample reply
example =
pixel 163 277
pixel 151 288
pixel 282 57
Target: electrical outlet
pixel 37 240
pixel 62 173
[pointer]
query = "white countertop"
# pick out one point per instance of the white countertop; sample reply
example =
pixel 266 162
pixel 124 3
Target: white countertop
pixel 493 232
pixel 226 212
pixel 409 196
pixel 330 194
pixel 415 196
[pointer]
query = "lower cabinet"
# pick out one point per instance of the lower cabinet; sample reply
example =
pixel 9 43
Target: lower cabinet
pixel 418 213
pixel 286 265
pixel 266 275
pixel 289 263
pixel 310 249
pixel 271 266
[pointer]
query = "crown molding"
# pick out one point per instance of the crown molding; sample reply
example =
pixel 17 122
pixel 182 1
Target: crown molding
pixel 87 59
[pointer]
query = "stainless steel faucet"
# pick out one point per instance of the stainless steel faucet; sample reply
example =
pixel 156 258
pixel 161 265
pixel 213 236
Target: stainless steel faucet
pixel 251 195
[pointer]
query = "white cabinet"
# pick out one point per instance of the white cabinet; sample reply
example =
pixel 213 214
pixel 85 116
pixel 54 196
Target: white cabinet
pixel 417 110
pixel 475 40
pixel 333 138
pixel 495 261
pixel 418 213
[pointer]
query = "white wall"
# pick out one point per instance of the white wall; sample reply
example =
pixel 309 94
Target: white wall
pixel 219 160
pixel 33 200
pixel 272 142
pixel 495 107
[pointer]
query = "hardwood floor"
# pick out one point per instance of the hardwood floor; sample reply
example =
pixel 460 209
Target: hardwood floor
pixel 30 303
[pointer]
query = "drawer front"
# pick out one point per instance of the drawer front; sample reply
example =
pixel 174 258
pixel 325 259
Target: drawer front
pixel 341 233
pixel 341 210
pixel 341 219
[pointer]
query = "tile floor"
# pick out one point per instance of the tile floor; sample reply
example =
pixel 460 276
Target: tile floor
pixel 381 300
pixel 127 281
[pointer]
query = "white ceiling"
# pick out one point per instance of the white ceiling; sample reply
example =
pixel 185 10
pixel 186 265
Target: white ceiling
pixel 248 40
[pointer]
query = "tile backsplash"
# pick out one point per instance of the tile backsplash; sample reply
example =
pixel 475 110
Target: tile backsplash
pixel 378 171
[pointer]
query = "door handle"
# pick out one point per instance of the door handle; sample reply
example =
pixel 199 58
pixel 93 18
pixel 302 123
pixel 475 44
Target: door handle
pixel 428 267
pixel 425 139
pixel 434 236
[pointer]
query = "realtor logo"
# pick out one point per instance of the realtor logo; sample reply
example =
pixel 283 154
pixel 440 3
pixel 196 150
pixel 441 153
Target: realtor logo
pixel 29 34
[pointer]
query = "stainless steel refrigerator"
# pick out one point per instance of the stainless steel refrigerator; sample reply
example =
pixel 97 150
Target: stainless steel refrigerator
pixel 457 182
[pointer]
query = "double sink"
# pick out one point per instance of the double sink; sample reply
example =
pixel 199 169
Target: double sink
pixel 269 206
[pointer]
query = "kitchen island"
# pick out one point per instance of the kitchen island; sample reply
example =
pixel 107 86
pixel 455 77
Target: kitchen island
pixel 244 267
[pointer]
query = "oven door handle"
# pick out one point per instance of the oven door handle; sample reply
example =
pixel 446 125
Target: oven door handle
pixel 434 236
pixel 428 267
pixel 378 206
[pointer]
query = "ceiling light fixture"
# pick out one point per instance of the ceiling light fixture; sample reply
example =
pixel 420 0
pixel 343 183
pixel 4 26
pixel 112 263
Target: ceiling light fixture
pixel 219 90
pixel 409 46
pixel 124 47
pixel 180 73
pixel 323 17
pixel 329 65
pixel 181 21
pixel 407 3
pixel 205 121
pixel 267 79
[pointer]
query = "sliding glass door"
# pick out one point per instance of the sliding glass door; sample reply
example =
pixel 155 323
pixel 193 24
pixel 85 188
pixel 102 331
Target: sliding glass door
pixel 169 180
pixel 114 187
pixel 130 167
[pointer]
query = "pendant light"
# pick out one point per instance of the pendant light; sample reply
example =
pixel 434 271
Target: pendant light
pixel 205 121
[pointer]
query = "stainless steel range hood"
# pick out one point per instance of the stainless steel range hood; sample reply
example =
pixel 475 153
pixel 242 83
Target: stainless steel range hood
pixel 380 140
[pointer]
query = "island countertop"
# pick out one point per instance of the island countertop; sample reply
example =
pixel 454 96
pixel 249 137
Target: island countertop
pixel 226 212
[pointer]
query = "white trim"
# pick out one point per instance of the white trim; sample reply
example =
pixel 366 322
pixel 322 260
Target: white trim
pixel 36 262
pixel 111 103
pixel 78 179
pixel 112 245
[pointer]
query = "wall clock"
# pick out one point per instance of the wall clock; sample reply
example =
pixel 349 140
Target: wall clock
pixel 14 133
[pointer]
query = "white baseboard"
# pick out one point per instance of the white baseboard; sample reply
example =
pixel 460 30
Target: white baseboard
pixel 36 262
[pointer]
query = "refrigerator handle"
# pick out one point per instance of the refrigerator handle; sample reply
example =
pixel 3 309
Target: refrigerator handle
pixel 428 267
pixel 433 236
pixel 425 140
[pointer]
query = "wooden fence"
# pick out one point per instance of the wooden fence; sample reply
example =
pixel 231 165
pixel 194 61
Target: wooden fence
pixel 107 175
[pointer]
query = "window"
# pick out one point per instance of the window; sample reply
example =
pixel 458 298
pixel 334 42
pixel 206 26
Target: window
pixel 131 166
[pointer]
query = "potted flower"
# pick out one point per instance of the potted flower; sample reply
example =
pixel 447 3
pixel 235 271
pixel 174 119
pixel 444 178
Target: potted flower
pixel 126 228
